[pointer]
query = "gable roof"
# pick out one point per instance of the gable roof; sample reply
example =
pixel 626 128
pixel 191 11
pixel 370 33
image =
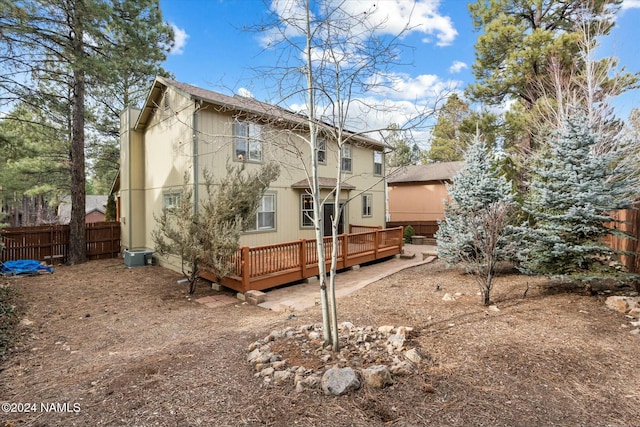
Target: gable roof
pixel 443 171
pixel 236 103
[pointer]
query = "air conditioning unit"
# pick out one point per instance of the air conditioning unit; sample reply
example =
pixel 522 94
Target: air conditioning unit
pixel 138 257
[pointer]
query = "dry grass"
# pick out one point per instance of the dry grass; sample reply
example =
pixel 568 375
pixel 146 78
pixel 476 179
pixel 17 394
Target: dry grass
pixel 131 349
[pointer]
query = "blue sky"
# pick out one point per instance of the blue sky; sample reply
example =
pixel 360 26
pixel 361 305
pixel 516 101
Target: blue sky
pixel 212 51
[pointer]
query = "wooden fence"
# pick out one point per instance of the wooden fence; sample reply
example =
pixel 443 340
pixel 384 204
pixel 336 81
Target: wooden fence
pixel 631 226
pixel 422 228
pixel 268 266
pixel 50 243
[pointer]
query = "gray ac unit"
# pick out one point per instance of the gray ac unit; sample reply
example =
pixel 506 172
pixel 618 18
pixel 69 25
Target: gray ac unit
pixel 137 258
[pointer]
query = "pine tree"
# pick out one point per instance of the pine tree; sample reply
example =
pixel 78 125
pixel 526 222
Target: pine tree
pixel 573 190
pixel 476 230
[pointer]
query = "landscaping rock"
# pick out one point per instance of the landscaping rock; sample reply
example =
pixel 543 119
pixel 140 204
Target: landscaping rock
pixel 396 341
pixel 448 297
pixel 618 303
pixel 280 377
pixel 413 355
pixel 339 381
pixel 377 376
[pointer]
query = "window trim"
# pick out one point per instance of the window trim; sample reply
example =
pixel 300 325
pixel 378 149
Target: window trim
pixel 256 228
pixel 381 163
pixel 322 149
pixel 171 199
pixel 250 137
pixel 367 207
pixel 303 210
pixel 346 149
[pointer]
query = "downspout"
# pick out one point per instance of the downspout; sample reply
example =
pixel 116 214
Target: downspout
pixel 196 195
pixel 129 218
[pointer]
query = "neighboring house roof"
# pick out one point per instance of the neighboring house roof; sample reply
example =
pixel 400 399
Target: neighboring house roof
pixel 232 103
pixel 444 171
pixel 324 183
pixel 92 203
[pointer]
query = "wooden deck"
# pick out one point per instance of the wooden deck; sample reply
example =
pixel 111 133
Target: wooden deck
pixel 268 266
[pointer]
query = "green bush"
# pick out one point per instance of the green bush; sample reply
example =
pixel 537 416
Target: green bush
pixel 407 233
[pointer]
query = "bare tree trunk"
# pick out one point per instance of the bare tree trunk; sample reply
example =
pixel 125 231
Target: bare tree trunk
pixel 314 185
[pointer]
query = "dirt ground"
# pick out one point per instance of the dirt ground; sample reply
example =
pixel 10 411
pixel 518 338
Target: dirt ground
pixel 125 347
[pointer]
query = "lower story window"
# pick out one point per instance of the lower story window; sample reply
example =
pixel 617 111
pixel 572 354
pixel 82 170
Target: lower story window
pixel 266 215
pixel 307 210
pixel 171 199
pixel 367 205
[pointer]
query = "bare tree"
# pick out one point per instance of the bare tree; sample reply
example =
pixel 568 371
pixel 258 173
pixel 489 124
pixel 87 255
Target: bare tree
pixel 209 237
pixel 332 55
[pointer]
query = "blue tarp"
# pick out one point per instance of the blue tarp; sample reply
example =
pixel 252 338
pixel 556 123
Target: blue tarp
pixel 24 266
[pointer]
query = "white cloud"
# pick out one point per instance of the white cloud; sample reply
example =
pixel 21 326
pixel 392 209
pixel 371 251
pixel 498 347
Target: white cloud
pixel 631 4
pixel 180 40
pixel 457 66
pixel 404 87
pixel 245 92
pixel 420 16
pixel 386 17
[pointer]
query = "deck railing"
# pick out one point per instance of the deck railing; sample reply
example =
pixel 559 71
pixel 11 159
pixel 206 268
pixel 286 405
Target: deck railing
pixel 268 266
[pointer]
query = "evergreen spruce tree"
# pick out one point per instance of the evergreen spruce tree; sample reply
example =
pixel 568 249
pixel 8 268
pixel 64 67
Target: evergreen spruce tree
pixel 476 229
pixel 573 190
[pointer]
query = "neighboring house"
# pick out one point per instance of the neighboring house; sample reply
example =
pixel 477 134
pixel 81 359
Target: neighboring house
pixel 185 129
pixel 95 208
pixel 417 194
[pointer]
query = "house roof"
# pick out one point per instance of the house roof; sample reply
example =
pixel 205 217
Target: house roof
pixel 324 183
pixel 92 203
pixel 444 171
pixel 234 103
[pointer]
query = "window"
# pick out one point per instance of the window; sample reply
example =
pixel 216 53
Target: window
pixel 346 158
pixel 266 215
pixel 247 141
pixel 171 199
pixel 377 163
pixel 307 210
pixel 322 151
pixel 367 205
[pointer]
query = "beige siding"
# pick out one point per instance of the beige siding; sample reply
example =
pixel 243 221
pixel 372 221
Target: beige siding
pixel 162 151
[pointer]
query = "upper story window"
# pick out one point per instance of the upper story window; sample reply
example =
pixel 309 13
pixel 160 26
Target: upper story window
pixel 377 163
pixel 247 141
pixel 346 158
pixel 322 150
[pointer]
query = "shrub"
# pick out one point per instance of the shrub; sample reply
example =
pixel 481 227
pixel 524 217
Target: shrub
pixel 407 233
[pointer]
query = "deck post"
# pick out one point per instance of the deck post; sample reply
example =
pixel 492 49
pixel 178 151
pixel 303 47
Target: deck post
pixel 246 266
pixel 345 250
pixel 303 258
pixel 376 243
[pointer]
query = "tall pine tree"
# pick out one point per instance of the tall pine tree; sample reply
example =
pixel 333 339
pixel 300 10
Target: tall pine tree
pixel 475 233
pixel 573 190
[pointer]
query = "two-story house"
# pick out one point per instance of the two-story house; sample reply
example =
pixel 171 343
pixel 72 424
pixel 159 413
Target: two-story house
pixel 182 128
